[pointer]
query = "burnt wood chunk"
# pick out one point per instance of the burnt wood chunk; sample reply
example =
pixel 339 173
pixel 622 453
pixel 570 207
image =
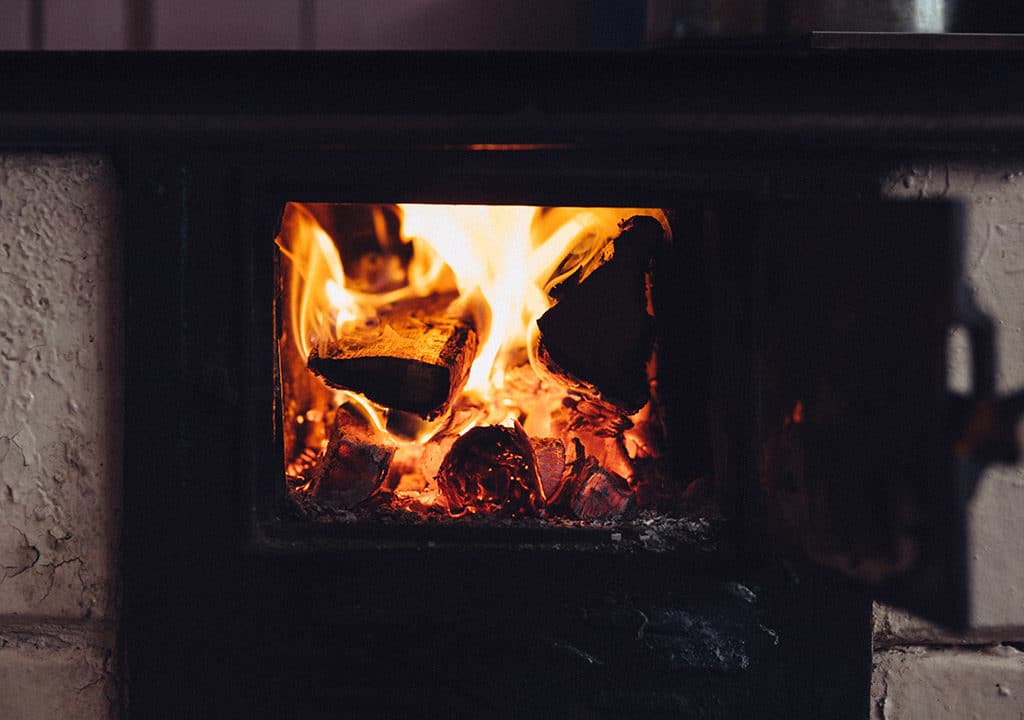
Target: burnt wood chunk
pixel 355 463
pixel 490 470
pixel 599 331
pixel 415 358
pixel 550 454
pixel 601 495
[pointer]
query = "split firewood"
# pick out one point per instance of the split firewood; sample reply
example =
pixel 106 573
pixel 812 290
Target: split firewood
pixel 355 463
pixel 415 357
pixel 599 331
pixel 600 495
pixel 490 470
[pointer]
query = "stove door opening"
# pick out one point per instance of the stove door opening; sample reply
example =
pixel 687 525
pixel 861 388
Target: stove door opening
pixel 472 363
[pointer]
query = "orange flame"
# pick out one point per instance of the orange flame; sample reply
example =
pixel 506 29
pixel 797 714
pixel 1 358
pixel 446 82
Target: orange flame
pixel 502 260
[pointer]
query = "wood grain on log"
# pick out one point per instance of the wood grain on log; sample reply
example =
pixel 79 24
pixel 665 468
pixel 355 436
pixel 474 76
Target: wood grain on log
pixel 490 469
pixel 601 495
pixel 415 358
pixel 550 454
pixel 355 463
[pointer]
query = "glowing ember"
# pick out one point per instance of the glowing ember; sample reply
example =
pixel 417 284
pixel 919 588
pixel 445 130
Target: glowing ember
pixel 434 313
pixel 796 417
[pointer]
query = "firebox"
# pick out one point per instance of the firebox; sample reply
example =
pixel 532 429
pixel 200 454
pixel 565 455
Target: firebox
pixel 535 385
pixel 460 361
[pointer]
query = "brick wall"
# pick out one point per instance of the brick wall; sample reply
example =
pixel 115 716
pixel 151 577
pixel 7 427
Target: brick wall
pixel 60 436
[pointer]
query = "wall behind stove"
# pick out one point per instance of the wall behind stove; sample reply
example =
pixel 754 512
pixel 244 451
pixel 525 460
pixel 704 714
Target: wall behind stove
pixel 60 435
pixel 922 671
pixel 310 24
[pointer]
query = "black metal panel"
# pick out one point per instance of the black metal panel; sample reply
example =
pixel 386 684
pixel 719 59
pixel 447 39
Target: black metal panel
pixel 737 96
pixel 225 614
pixel 753 78
pixel 157 497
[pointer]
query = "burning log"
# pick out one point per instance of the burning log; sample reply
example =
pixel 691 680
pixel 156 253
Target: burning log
pixel 600 495
pixel 415 466
pixel 492 470
pixel 355 463
pixel 368 239
pixel 416 358
pixel 599 331
pixel 550 454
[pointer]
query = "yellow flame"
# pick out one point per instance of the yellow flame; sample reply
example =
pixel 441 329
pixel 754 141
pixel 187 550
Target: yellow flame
pixel 503 260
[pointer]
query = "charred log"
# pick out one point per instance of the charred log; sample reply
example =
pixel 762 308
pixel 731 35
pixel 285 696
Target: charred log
pixel 599 331
pixel 355 463
pixel 550 454
pixel 599 429
pixel 490 470
pixel 415 358
pixel 600 495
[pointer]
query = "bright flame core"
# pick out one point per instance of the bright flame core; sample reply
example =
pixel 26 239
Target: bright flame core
pixel 502 261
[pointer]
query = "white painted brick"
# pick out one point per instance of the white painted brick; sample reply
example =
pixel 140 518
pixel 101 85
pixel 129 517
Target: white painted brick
pixel 893 626
pixel 995 266
pixel 948 684
pixel 53 676
pixel 60 374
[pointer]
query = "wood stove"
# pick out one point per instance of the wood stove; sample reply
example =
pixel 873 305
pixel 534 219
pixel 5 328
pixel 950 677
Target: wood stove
pixel 812 454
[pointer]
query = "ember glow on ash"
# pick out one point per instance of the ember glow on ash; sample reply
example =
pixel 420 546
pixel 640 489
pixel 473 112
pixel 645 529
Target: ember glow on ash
pixel 465 359
pixel 796 417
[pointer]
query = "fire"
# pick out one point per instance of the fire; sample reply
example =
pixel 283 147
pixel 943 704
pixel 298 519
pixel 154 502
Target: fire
pixel 498 264
pixel 503 260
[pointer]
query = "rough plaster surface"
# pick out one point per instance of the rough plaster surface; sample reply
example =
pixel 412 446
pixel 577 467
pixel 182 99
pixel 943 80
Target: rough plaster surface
pixel 49 672
pixel 60 396
pixel 994 263
pixel 917 683
pixel 893 627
